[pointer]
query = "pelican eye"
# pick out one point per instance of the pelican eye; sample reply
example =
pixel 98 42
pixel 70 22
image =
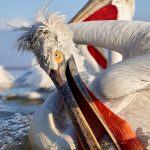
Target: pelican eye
pixel 58 55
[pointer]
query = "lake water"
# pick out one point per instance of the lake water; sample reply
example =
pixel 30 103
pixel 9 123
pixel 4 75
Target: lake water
pixel 15 118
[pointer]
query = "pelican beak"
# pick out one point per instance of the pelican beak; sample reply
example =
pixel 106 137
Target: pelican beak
pixel 90 7
pixel 89 125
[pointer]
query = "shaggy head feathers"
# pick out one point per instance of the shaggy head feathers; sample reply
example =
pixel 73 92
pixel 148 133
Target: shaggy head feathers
pixel 47 34
pixel 45 24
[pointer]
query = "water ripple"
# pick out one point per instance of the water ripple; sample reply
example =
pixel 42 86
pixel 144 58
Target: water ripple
pixel 14 131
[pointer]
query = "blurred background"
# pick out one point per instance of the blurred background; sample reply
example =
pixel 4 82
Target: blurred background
pixel 22 12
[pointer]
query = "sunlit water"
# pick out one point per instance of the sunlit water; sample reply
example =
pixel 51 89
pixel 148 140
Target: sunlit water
pixel 15 118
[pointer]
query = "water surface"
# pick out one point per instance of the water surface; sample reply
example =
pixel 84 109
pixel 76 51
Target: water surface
pixel 15 118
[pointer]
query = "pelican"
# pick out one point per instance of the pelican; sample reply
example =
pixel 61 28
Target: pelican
pixel 6 79
pixel 33 84
pixel 123 87
pixel 103 10
pixel 65 124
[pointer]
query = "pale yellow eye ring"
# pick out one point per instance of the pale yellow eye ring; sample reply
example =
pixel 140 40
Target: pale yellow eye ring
pixel 58 55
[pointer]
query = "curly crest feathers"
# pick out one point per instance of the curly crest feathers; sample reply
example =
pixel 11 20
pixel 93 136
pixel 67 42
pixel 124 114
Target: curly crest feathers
pixel 51 22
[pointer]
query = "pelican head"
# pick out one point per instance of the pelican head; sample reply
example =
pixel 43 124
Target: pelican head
pixel 49 39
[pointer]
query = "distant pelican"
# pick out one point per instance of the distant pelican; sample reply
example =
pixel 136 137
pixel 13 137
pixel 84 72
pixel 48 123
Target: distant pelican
pixel 33 84
pixel 6 79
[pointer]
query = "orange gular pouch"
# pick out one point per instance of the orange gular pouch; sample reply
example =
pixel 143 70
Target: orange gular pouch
pixel 109 130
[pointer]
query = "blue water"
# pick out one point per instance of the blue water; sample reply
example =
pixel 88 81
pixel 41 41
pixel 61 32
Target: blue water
pixel 15 118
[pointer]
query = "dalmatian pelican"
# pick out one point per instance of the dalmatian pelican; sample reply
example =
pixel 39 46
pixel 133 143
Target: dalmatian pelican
pixel 123 87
